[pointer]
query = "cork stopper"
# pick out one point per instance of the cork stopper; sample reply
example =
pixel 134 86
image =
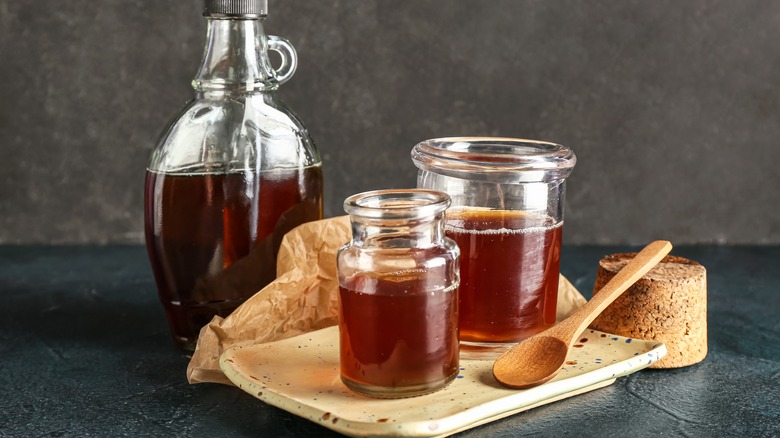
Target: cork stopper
pixel 668 304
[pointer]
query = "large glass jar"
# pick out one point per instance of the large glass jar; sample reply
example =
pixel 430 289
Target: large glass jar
pixel 398 281
pixel 507 218
pixel 232 173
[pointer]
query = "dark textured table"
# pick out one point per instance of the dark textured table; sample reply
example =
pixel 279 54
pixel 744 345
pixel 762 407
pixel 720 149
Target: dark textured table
pixel 86 352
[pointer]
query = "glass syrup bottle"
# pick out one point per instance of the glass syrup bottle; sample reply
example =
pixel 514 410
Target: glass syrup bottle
pixel 233 172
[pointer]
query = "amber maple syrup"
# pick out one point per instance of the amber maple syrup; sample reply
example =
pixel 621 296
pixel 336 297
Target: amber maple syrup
pixel 213 238
pixel 509 273
pixel 398 332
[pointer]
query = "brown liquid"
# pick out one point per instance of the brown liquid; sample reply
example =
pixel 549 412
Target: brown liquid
pixel 212 238
pixel 509 266
pixel 396 334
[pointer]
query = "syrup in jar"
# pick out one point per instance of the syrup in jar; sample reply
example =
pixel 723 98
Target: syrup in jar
pixel 398 300
pixel 508 273
pixel 397 332
pixel 507 218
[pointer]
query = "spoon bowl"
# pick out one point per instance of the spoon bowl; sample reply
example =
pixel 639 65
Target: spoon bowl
pixel 539 358
pixel 535 372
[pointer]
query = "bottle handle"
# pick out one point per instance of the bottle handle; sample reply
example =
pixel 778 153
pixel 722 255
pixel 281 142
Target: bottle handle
pixel 289 57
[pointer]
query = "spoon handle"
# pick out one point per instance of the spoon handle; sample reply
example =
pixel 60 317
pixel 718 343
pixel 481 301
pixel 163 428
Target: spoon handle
pixel 640 265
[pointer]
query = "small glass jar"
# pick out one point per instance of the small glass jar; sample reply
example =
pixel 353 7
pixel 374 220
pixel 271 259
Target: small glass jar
pixel 506 217
pixel 398 305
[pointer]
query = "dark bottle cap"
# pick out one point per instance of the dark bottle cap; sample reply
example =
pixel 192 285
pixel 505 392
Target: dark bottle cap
pixel 236 8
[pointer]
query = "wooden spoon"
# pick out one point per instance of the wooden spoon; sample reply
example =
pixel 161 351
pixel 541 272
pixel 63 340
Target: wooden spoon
pixel 539 358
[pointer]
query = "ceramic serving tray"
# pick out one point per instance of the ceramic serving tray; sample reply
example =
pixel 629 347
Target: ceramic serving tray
pixel 301 376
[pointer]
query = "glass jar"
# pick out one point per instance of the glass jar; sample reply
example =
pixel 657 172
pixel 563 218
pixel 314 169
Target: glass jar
pixel 507 218
pixel 231 174
pixel 398 282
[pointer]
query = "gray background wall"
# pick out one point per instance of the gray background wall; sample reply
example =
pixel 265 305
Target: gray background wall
pixel 673 107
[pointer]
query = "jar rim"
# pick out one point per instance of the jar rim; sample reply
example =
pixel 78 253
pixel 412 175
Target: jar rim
pixel 498 159
pixel 397 204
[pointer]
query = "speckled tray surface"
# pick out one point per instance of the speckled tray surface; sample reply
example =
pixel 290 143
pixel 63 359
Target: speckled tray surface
pixel 301 376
